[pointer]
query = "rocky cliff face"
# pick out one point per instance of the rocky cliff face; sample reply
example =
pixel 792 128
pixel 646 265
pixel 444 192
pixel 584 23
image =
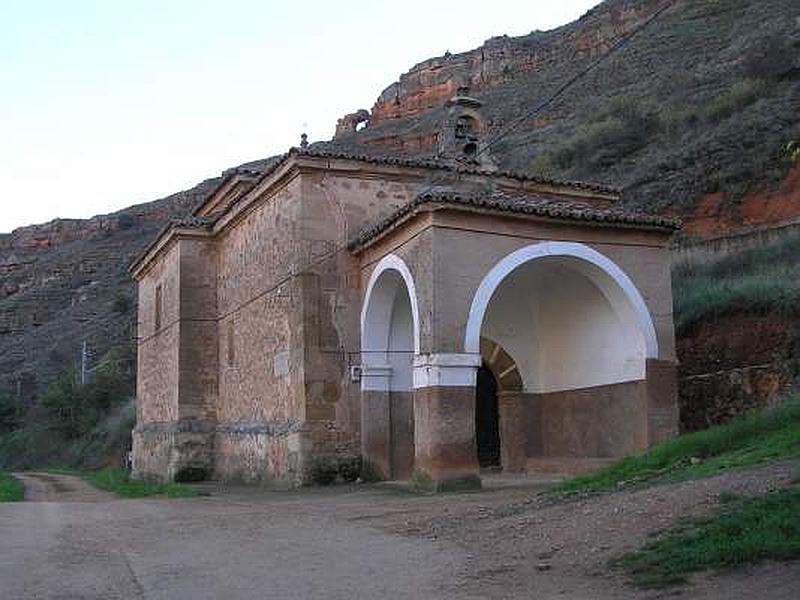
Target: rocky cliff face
pixel 689 117
pixel 699 104
pixel 503 59
pixel 65 282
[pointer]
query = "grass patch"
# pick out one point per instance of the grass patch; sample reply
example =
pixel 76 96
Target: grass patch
pixel 750 439
pixel 421 483
pixel 745 531
pixel 11 490
pixel 119 482
pixel 760 280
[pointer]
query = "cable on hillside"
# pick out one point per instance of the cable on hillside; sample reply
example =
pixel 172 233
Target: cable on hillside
pixel 306 269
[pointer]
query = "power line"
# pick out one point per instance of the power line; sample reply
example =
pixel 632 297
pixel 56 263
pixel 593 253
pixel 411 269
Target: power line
pixel 619 44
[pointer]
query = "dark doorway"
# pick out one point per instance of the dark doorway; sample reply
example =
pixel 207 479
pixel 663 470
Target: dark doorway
pixel 486 420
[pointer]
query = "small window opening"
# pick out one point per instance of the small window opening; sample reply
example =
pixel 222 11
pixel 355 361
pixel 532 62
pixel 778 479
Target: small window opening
pixel 159 309
pixel 466 127
pixel 231 345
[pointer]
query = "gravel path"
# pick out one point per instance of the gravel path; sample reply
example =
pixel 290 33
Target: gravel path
pixel 561 550
pixel 356 542
pixel 43 487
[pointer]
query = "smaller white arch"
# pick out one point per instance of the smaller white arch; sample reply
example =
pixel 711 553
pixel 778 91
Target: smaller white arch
pixel 390 262
pixel 509 263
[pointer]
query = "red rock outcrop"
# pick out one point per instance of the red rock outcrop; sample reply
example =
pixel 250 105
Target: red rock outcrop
pixel 432 82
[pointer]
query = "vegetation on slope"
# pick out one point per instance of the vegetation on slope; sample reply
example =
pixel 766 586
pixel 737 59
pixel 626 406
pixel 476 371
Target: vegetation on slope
pixel 76 424
pixel 11 490
pixel 753 438
pixel 744 531
pixel 759 280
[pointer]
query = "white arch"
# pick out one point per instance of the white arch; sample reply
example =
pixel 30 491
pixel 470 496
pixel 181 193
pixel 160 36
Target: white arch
pixel 504 267
pixel 390 262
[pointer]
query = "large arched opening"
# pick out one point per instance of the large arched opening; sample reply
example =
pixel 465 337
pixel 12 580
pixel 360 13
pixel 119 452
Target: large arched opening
pixel 575 335
pixel 389 341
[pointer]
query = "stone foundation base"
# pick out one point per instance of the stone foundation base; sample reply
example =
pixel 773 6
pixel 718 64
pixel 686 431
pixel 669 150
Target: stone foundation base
pixel 180 451
pixel 253 457
pixel 284 451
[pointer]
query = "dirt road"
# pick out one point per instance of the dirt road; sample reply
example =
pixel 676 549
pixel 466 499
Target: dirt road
pixel 44 487
pixel 351 542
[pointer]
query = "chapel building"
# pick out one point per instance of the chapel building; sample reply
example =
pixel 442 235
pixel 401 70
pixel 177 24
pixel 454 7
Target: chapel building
pixel 433 314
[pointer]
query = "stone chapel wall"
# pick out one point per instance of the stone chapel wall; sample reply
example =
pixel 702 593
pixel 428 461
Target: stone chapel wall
pixel 157 375
pixel 260 410
pixel 335 207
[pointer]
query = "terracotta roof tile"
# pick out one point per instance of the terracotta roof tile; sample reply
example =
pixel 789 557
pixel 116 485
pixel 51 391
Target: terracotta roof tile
pixel 367 154
pixel 537 205
pixel 194 222
pixel 432 162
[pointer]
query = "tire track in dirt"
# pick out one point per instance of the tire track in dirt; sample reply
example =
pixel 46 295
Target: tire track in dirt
pixel 54 487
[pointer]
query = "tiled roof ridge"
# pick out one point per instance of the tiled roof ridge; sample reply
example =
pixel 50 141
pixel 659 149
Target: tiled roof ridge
pixel 404 160
pixel 194 221
pixel 430 161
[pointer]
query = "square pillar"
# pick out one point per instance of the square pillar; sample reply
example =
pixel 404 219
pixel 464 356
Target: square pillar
pixel 444 420
pixel 376 437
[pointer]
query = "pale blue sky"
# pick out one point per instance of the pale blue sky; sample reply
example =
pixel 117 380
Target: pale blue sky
pixel 105 104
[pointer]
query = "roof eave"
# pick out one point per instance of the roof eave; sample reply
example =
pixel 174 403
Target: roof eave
pixel 142 263
pixel 361 243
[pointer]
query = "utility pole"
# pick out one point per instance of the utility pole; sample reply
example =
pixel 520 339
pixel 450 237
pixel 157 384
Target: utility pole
pixel 83 363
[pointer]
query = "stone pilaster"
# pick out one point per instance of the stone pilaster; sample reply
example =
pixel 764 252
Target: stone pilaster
pixel 513 435
pixel 376 432
pixel 444 420
pixel 662 400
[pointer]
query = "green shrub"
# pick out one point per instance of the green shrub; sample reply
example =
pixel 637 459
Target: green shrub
pixel 350 468
pixel 324 470
pixel 370 472
pixel 545 165
pixel 771 57
pixel 74 408
pixel 421 483
pixel 28 447
pixel 792 151
pixel 10 414
pixel 738 96
pixel 74 424
pixel 621 128
pixel 677 119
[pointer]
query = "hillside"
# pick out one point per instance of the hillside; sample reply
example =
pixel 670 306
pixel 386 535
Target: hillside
pixel 67 281
pixel 690 118
pixel 695 110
